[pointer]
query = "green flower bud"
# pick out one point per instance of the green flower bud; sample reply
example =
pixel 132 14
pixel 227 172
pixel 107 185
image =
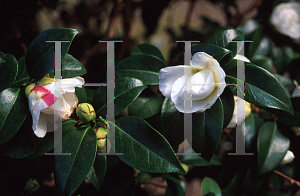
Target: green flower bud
pixel 101 133
pixel 85 112
pixel 144 178
pixel 29 89
pixel 31 186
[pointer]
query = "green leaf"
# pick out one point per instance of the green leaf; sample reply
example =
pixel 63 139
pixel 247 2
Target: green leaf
pixel 281 56
pixel 173 132
pixel 145 106
pixel 271 147
pixel 261 44
pixel 81 94
pixel 215 51
pixel 22 76
pixel 210 186
pixel 71 170
pixel 196 160
pixel 148 77
pixel 253 182
pixel 176 186
pixel 287 118
pixel 13 111
pixel 228 106
pixel 22 144
pixel 251 130
pixel 40 54
pixel 97 172
pixel 126 91
pixel 207 130
pixel 45 144
pixel 8 70
pixel 261 88
pixel 144 148
pixel 263 62
pixel 286 82
pixel 147 49
pixel 145 62
pixel 224 39
pixel 70 67
pixel 90 94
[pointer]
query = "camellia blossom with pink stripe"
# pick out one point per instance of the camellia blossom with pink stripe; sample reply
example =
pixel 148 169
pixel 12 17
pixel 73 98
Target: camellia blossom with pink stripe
pixel 42 96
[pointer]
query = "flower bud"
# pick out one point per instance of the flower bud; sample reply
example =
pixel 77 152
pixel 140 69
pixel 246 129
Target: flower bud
pixel 239 103
pixel 289 157
pixel 85 112
pixel 29 89
pixel 31 186
pixel 101 133
pixel 144 178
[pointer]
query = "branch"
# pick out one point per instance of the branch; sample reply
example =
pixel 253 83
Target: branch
pixel 292 181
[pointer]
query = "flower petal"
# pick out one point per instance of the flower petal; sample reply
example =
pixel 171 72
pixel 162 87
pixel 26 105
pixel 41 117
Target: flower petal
pixel 41 128
pixel 241 58
pixel 68 85
pixel 167 77
pixel 35 112
pixel 202 84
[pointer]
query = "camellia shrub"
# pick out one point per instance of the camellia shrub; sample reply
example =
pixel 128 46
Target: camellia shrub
pixel 230 116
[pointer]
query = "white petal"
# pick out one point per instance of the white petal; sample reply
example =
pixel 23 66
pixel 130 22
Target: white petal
pixel 167 77
pixel 35 112
pixel 202 84
pixel 289 157
pixel 241 58
pixel 68 85
pixel 41 128
pixel 202 60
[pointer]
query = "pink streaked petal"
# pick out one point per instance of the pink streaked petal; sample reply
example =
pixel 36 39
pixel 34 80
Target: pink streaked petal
pixel 41 90
pixel 41 128
pixel 49 99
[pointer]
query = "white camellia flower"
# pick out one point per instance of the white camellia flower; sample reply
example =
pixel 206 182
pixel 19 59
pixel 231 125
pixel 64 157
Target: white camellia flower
pixel 42 96
pixel 286 19
pixel 289 157
pixel 207 82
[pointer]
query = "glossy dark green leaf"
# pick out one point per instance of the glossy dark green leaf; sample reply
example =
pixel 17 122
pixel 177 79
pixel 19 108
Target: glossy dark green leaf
pixel 261 88
pixel 210 186
pixel 260 45
pixel 22 144
pixel 263 62
pixel 81 94
pixel 90 92
pixel 287 118
pixel 126 91
pixel 97 172
pixel 215 51
pixel 228 106
pixel 144 148
pixel 22 76
pixel 253 182
pixel 277 181
pixel 147 77
pixel 196 160
pixel 252 124
pixel 147 49
pixel 13 111
pixel 71 170
pixel 271 147
pixel 281 56
pixel 286 82
pixel 145 106
pixel 40 54
pixel 8 70
pixel 2 60
pixel 176 186
pixel 207 130
pixel 45 144
pixel 173 132
pixel 224 39
pixel 70 67
pixel 143 62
